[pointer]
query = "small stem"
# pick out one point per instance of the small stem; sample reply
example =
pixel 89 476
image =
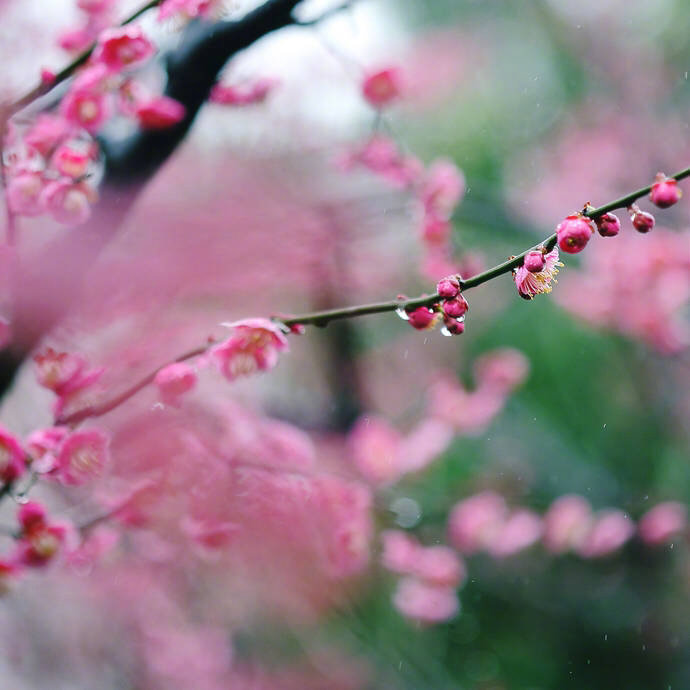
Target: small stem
pixel 43 88
pixel 103 408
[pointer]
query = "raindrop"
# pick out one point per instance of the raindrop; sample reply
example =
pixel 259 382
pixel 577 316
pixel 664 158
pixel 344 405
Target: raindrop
pixel 446 332
pixel 606 637
pixel 407 510
pixel 402 314
pixel 22 499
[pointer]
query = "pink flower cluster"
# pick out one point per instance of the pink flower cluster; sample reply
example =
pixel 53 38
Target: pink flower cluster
pixel 48 171
pixel 432 574
pixel 484 522
pixel 382 455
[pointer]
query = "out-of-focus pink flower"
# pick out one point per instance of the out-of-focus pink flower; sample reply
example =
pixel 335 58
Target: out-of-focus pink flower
pixel 442 188
pixel 400 551
pixel 40 539
pixel 82 457
pixel 503 369
pixel 475 521
pixel 76 40
pixel 209 535
pixel 383 86
pixel 529 284
pixel 609 531
pixel 187 9
pixel 243 94
pixel 96 6
pixel 24 193
pixel 522 529
pixel 427 440
pixel 46 133
pixel 574 232
pixel 662 522
pixel 254 346
pixel 70 162
pixel 381 156
pixel 55 370
pixel 174 380
pixel 31 516
pixel 425 602
pixel 43 446
pixel 160 113
pixel 566 523
pixel 375 447
pixel 68 202
pixel 86 107
pixel 76 391
pixel 90 550
pixel 12 464
pixel 439 565
pixel 122 47
pixel 665 191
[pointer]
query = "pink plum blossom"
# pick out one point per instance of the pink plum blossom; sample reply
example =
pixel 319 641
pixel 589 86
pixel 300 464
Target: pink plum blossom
pixel 530 284
pixel 383 86
pixel 662 522
pixel 665 191
pixel 12 456
pixel 159 113
pixel 425 602
pixel 86 107
pixel 43 446
pixel 24 193
pixel 70 162
pixel 122 47
pixel 519 531
pixel 68 202
pixel 82 457
pixel 174 380
pixel 400 551
pixel 375 448
pixel 56 370
pixel 608 532
pixel 254 346
pixel 46 133
pixel 503 369
pixel 574 232
pixel 188 9
pixel 566 523
pixel 244 94
pixel 442 188
pixel 474 522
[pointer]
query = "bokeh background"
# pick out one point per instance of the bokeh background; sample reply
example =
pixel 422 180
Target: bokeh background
pixel 544 105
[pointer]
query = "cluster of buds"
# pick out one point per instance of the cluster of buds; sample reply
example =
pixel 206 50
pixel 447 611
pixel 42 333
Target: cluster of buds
pixel 451 309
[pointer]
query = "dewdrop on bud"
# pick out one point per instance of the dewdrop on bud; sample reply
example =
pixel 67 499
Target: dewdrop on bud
pixel 448 287
pixel 641 220
pixel 665 191
pixel 534 261
pixel 422 318
pixel 455 308
pixel 608 225
pixel 574 232
pixel 453 326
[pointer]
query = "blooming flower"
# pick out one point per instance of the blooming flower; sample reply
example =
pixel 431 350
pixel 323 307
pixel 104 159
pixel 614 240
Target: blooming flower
pixel 122 47
pixel 425 602
pixel 82 456
pixel 68 202
pixel 11 456
pixel 530 284
pixel 86 107
pixel 24 193
pixel 254 346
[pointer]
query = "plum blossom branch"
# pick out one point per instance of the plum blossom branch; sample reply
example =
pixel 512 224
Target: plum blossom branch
pixel 323 318
pixel 66 72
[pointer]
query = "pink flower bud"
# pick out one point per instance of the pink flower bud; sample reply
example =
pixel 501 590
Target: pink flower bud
pixel 160 113
pixel 641 220
pixel 608 225
pixel 448 287
pixel 47 76
pixel 574 233
pixel 456 307
pixel 297 329
pixel 31 516
pixel 175 380
pixel 382 87
pixel 534 262
pixel 453 326
pixel 665 191
pixel 662 522
pixel 422 318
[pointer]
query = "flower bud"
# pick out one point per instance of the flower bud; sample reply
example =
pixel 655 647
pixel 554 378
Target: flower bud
pixel 608 225
pixel 448 287
pixel 534 262
pixel 574 233
pixel 641 220
pixel 665 191
pixel 422 318
pixel 455 308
